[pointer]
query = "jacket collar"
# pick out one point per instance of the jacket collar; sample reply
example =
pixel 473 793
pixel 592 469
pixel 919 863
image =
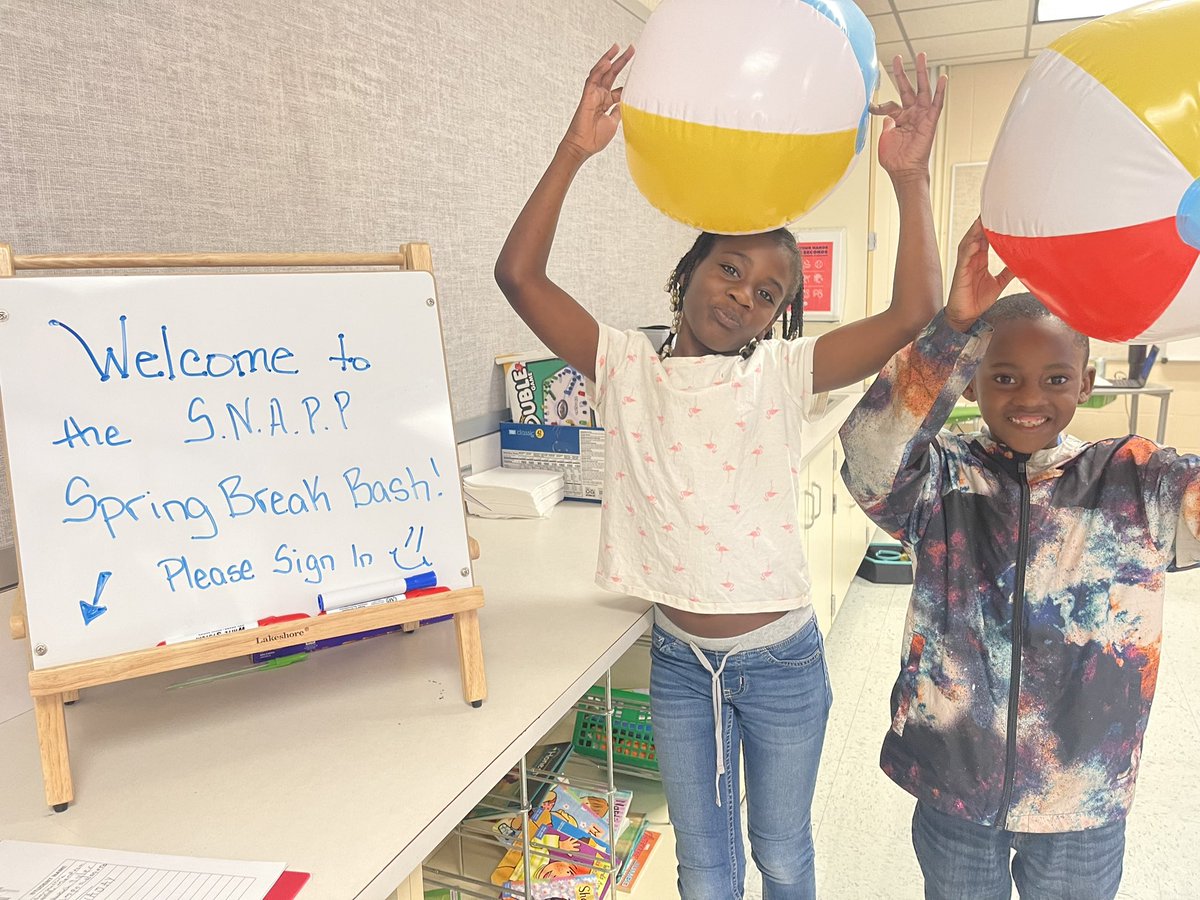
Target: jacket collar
pixel 1043 461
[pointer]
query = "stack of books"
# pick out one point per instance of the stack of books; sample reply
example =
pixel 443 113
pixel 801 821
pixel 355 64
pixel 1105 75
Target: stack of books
pixel 512 493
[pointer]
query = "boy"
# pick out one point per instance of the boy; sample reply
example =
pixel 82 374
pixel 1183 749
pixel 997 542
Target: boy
pixel 1034 627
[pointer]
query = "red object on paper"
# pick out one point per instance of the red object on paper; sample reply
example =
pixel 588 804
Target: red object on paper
pixel 816 259
pixel 288 886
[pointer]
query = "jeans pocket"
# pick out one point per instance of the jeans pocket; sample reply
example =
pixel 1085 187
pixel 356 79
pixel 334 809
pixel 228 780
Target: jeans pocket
pixel 665 645
pixel 801 650
pixel 908 682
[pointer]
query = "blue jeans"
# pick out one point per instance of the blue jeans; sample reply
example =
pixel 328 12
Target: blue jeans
pixel 965 861
pixel 774 705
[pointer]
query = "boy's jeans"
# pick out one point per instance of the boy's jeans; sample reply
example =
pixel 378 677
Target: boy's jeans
pixel 774 705
pixel 961 860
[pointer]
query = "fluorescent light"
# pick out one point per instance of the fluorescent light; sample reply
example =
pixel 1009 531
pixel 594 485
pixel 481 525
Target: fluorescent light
pixel 1058 10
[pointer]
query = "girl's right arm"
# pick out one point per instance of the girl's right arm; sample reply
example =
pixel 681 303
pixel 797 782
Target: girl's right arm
pixel 550 312
pixel 892 462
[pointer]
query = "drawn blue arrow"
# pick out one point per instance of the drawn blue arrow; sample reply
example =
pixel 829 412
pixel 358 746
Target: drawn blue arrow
pixel 94 609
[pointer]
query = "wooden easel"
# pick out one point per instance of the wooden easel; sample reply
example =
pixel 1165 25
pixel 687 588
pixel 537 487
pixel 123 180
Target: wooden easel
pixel 53 687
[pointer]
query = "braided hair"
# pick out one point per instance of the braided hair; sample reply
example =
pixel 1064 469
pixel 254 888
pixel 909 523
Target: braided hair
pixel 793 306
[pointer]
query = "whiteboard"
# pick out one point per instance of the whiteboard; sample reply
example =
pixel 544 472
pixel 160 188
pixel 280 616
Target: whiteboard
pixel 191 453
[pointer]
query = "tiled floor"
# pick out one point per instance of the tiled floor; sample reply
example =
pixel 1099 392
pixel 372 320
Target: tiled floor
pixel 861 819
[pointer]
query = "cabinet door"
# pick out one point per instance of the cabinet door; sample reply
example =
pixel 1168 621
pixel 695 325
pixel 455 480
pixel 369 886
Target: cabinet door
pixel 817 484
pixel 851 533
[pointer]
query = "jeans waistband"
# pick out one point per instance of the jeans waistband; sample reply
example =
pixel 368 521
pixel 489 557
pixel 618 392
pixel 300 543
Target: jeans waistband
pixel 771 633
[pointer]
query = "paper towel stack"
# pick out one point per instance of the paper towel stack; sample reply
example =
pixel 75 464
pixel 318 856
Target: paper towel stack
pixel 512 493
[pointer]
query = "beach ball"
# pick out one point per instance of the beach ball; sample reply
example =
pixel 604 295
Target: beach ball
pixel 741 117
pixel 1092 195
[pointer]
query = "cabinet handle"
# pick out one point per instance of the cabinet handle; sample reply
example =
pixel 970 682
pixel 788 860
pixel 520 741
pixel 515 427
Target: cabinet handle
pixel 810 522
pixel 818 501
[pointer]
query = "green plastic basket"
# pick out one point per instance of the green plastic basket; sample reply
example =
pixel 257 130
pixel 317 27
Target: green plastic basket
pixel 1097 400
pixel 633 733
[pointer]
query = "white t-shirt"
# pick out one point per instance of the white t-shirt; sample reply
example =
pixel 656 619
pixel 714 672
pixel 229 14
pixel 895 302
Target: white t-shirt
pixel 701 503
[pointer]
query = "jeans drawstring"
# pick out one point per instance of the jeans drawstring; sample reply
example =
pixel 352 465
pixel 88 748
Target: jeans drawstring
pixel 717 701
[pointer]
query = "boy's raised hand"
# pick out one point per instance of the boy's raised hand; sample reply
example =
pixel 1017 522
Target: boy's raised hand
pixel 974 289
pixel 599 111
pixel 909 126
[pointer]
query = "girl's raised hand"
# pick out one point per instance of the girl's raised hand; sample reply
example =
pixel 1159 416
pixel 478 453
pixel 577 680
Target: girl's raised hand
pixel 599 112
pixel 974 289
pixel 909 126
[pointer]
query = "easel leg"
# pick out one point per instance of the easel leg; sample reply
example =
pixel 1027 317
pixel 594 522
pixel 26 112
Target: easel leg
pixel 52 741
pixel 470 657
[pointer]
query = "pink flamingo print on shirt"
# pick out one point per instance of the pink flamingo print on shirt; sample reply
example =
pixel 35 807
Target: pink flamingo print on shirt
pixel 729 468
pixel 771 493
pixel 721 550
pixel 737 508
pixel 727 584
pixel 704 529
pixel 678 567
pixel 710 446
pixel 648 459
pixel 754 536
pixel 694 411
pixel 741 423
pixel 757 452
pixel 772 413
pixel 676 447
pixel 767 573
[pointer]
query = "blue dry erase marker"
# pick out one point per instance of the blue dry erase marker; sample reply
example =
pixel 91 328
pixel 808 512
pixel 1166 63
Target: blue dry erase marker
pixel 331 600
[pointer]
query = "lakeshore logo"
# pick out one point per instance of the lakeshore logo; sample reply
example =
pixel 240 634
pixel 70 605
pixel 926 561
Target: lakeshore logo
pixel 283 636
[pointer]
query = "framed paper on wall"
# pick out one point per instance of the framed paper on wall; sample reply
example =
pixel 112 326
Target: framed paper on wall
pixel 823 257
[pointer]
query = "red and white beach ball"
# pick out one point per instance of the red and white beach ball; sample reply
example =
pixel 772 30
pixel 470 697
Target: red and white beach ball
pixel 1092 195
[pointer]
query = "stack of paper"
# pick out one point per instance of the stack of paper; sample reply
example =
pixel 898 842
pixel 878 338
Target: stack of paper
pixel 512 493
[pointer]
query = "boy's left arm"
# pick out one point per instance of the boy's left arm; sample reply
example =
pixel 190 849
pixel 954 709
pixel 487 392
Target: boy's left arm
pixel 855 351
pixel 1173 489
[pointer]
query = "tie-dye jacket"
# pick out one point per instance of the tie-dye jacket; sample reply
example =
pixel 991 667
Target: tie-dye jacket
pixel 1032 641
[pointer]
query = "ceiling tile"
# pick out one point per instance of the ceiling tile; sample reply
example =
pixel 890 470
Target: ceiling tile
pixel 957 46
pixel 886 29
pixel 887 51
pixel 1044 33
pixel 874 7
pixel 983 58
pixel 923 4
pixel 983 16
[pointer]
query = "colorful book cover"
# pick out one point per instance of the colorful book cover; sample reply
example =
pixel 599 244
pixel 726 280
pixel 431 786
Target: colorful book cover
pixel 552 856
pixel 637 862
pixel 505 798
pixel 577 887
pixel 576 814
pixel 635 824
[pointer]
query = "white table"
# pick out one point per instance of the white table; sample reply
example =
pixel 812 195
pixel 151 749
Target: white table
pixel 354 764
pixel 1161 392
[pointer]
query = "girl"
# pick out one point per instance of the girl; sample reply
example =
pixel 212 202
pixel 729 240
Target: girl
pixel 701 507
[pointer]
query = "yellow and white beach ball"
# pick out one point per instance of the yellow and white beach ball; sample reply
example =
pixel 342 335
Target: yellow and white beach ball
pixel 1092 194
pixel 741 117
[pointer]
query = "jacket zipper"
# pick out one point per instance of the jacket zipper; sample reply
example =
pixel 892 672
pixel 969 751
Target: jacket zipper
pixel 1018 629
